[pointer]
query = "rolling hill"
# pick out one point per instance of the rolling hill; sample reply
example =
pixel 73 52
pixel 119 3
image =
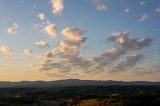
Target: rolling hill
pixel 72 82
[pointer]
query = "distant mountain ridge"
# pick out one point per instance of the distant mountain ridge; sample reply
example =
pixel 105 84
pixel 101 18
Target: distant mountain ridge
pixel 72 82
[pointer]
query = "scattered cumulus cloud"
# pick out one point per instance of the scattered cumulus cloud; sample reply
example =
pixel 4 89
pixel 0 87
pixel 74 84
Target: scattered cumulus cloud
pixel 57 6
pixel 67 57
pixel 41 26
pixel 46 27
pixel 41 16
pixel 123 44
pixel 122 39
pixel 73 34
pixel 99 5
pixel 157 10
pixel 5 50
pixel 143 18
pixel 143 3
pixel 128 63
pixel 127 10
pixel 68 53
pixel 42 44
pixel 28 52
pixel 50 29
pixel 13 29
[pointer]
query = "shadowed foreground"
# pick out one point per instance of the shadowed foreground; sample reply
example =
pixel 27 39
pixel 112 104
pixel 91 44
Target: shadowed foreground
pixel 81 96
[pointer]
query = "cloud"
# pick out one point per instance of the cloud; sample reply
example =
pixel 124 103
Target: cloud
pixel 68 53
pixel 157 10
pixel 109 57
pixel 41 26
pixel 50 29
pixel 46 57
pixel 112 54
pixel 122 40
pixel 12 30
pixel 74 34
pixel 143 18
pixel 42 44
pixel 123 44
pixel 143 3
pixel 41 16
pixel 5 50
pixel 128 63
pixel 57 6
pixel 67 57
pixel 28 52
pixel 99 5
pixel 127 10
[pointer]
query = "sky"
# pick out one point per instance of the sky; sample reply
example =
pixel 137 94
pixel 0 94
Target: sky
pixel 79 39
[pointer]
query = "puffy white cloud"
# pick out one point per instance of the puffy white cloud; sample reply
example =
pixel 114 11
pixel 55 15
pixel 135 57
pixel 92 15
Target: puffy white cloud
pixel 41 16
pixel 143 18
pixel 99 5
pixel 143 3
pixel 74 34
pixel 12 30
pixel 5 50
pixel 42 44
pixel 122 40
pixel 157 10
pixel 67 57
pixel 57 6
pixel 123 44
pixel 68 53
pixel 28 52
pixel 127 10
pixel 51 29
pixel 46 57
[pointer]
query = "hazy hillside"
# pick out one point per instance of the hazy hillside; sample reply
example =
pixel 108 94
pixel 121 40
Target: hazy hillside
pixel 72 82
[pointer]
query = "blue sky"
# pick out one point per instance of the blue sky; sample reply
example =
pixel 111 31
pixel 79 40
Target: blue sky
pixel 85 39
